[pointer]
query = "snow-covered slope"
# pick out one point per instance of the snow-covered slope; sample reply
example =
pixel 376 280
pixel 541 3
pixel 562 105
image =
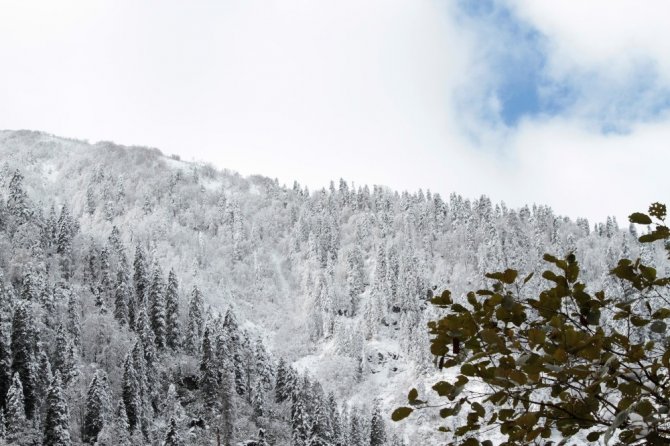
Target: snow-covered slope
pixel 336 280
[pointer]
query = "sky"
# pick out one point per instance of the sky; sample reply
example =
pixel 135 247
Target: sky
pixel 553 102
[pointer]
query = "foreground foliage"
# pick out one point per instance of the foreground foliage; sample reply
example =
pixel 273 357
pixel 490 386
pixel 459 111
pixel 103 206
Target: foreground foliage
pixel 567 363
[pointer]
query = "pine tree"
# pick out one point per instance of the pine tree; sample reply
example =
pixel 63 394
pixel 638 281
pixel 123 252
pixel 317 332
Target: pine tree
pixel 3 427
pixel 335 421
pixel 30 284
pixel 357 431
pixel 66 232
pixel 15 411
pixel 172 329
pixel 115 242
pixel 157 307
pixel 300 423
pixel 44 376
pixel 146 335
pixel 116 432
pixel 397 441
pixel 321 431
pixel 261 438
pixel 122 295
pixel 236 352
pixel 140 278
pixel 64 357
pixel 281 393
pixel 228 403
pixel 263 366
pixel 196 310
pixel 90 200
pixel 172 437
pixel 5 366
pixel 74 318
pixel 377 428
pixel 97 407
pixel 57 422
pixel 17 202
pixel 126 293
pixel 355 276
pixel 172 407
pixel 258 401
pixel 131 391
pixel 22 355
pixel 105 273
pixel 208 374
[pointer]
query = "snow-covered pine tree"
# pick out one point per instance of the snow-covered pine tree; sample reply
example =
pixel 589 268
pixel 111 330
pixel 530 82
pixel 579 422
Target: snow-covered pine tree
pixel 356 277
pixel 262 441
pixel 97 406
pixel 258 401
pixel 196 311
pixel 335 420
pixel 66 232
pixel 377 428
pixel 172 437
pixel 43 376
pixel 233 339
pixel 263 366
pixel 157 306
pixel 228 409
pixel 208 373
pixel 116 431
pixel 357 435
pixel 90 199
pixel 57 421
pixel 63 357
pixel 123 295
pixel 22 354
pixel 397 440
pixel 146 335
pixel 74 317
pixel 105 273
pixel 281 393
pixel 5 365
pixel 172 326
pixel 140 277
pixel 17 201
pixel 132 394
pixel 15 412
pixel 300 422
pixel 3 426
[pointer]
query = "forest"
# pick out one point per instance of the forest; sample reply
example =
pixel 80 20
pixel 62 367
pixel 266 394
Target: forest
pixel 148 300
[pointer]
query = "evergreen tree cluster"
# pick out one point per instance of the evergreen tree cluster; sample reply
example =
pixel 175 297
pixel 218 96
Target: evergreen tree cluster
pixel 163 274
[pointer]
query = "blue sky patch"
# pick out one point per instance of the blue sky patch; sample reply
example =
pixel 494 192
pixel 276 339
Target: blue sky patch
pixel 515 55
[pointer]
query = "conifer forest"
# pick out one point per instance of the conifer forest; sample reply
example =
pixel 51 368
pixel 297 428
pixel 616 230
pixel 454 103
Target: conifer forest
pixel 146 300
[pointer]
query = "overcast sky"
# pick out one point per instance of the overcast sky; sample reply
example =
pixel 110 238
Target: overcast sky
pixel 553 102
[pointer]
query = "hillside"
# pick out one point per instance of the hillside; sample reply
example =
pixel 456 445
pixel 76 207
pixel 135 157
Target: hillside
pixel 333 282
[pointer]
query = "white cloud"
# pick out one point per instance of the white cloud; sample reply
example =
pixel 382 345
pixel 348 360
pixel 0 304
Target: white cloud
pixel 393 92
pixel 596 34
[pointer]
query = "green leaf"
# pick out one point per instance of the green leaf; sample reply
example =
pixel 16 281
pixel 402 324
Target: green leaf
pixel 509 276
pixel 401 413
pixel 658 210
pixel 661 313
pixel 413 395
pixel 639 218
pixel 468 370
pixel 443 388
pixel 593 436
pixel 658 327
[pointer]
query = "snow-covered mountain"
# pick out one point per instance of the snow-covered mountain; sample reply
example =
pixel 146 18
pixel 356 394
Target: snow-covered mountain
pixel 335 282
